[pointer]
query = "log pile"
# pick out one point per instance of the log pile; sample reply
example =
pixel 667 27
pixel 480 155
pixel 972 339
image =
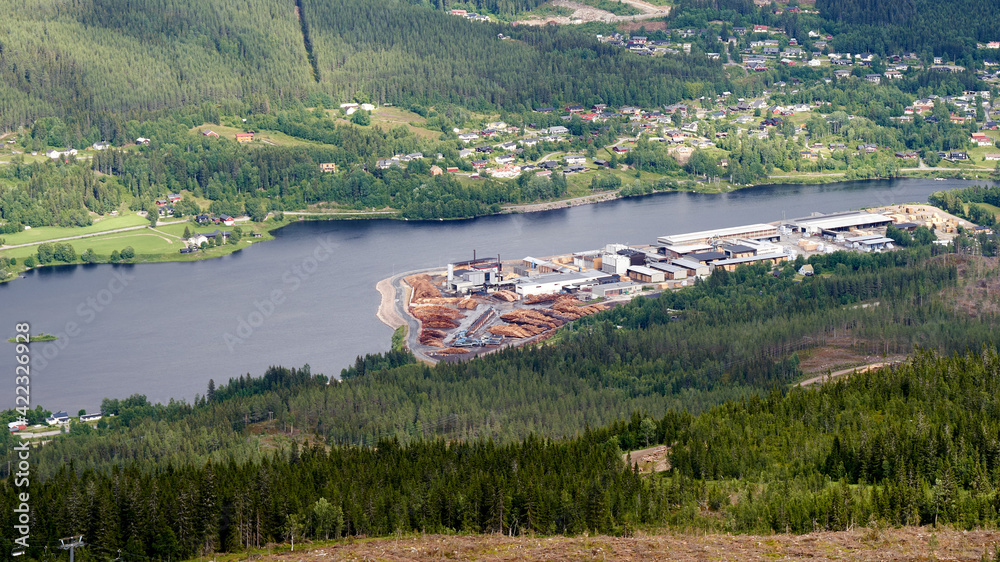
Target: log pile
pixel 468 303
pixel 453 350
pixel 538 299
pixel 439 300
pixel 436 316
pixel 433 338
pixel 512 331
pixel 422 287
pixel 531 318
pixel 573 309
pixel 504 295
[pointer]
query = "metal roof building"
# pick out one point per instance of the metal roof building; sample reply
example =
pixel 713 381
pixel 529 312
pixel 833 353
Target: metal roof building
pixel 840 221
pixel 751 231
pixel 732 264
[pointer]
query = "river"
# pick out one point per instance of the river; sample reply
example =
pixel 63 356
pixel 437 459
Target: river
pixel 308 297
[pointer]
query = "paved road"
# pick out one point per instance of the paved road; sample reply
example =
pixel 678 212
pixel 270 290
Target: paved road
pixel 41 434
pixel 335 213
pixel 412 324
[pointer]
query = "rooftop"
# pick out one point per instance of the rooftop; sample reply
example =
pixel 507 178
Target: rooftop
pixel 759 230
pixel 841 220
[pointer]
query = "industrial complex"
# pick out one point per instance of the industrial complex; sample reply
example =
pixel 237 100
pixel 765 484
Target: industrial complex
pixel 485 303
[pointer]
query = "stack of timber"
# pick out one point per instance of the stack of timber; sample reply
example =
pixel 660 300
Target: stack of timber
pixel 573 309
pixel 504 295
pixel 432 338
pixel 436 316
pixel 538 299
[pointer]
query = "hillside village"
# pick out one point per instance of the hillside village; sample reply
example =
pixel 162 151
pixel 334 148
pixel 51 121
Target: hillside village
pixel 716 126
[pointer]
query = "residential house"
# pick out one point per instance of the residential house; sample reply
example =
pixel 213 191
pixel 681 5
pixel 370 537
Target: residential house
pixel 244 137
pixel 328 167
pixel 980 139
pixel 58 418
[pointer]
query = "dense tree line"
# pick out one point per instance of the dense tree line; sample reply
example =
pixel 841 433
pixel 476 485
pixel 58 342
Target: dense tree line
pixel 963 203
pixel 103 60
pixel 912 444
pixel 735 335
pixel 912 25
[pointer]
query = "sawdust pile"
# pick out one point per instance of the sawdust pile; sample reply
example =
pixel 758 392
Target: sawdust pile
pixel 422 287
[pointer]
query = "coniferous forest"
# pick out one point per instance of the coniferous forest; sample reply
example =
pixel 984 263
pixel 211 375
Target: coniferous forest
pixel 533 440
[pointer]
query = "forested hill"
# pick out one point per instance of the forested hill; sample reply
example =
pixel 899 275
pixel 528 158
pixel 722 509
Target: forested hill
pixel 97 58
pixel 946 28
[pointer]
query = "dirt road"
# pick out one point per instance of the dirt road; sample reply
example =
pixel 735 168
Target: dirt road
pixel 583 13
pixel 861 369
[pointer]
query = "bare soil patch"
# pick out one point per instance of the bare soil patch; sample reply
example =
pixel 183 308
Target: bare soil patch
pixel 979 287
pixel 653 459
pixel 583 13
pixel 908 543
pixel 630 26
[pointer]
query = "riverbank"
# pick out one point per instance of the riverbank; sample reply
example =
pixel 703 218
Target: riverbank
pixel 146 240
pixel 387 313
pixel 198 304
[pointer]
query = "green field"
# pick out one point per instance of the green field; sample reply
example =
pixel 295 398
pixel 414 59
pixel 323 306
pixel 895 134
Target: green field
pixel 43 233
pixel 274 138
pixel 391 117
pixel 991 208
pixel 142 241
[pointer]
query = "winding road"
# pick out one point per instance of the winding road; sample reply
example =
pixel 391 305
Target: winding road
pixel 393 310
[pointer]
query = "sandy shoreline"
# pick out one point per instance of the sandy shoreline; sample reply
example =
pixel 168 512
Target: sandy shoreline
pixel 387 307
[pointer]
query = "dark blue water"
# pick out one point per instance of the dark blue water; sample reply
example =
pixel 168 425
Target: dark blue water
pixel 309 296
